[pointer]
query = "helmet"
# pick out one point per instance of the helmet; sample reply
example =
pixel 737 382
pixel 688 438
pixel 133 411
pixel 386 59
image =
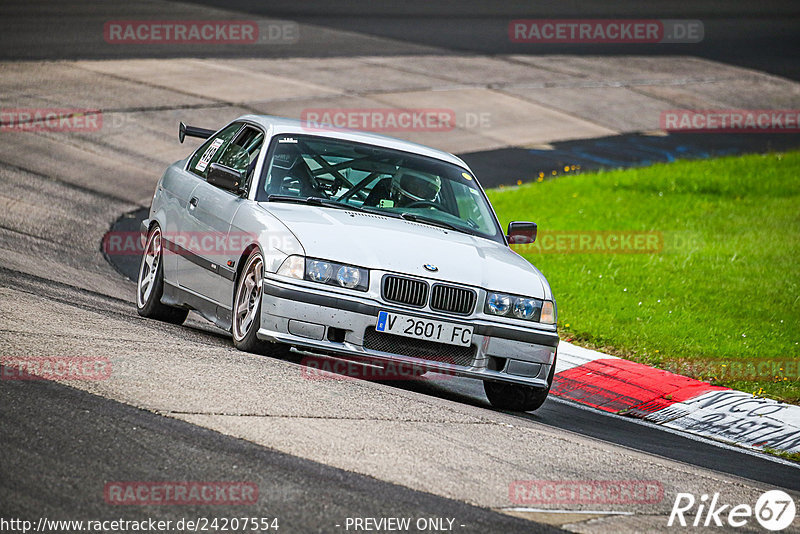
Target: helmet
pixel 416 185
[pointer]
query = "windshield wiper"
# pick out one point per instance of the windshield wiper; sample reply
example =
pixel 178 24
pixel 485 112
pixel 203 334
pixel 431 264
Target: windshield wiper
pixel 286 198
pixel 433 222
pixel 378 211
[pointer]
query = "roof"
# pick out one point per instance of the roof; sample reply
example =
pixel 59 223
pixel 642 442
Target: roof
pixel 279 125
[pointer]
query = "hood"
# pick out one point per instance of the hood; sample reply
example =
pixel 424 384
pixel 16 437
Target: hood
pixel 390 244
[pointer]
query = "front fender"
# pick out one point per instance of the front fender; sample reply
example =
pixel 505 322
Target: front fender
pixel 266 231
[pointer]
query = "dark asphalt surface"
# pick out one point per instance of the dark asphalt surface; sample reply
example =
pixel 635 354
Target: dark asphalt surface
pixel 507 165
pixel 762 35
pixel 59 447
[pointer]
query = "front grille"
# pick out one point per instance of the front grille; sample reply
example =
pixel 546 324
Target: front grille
pixel 404 290
pixel 452 299
pixel 418 348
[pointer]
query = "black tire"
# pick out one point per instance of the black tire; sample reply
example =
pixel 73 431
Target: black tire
pixel 245 332
pixel 507 396
pixel 150 283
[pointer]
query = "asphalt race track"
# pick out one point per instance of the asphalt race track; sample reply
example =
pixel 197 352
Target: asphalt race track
pixel 182 404
pixel 760 35
pixel 618 151
pixel 306 496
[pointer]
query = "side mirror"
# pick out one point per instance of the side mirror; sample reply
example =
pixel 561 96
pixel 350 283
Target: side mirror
pixel 225 178
pixel 520 233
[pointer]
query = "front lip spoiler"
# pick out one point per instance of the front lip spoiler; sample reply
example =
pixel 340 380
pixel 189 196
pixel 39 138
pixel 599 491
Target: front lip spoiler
pixel 547 339
pixel 353 352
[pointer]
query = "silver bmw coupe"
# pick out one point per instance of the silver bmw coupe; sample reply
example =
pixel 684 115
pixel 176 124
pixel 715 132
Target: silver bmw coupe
pixel 348 245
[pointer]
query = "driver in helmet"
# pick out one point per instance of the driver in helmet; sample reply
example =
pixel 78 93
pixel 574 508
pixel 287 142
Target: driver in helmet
pixel 406 188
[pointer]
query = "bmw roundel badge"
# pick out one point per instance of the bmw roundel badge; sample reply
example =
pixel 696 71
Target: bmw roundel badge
pixel 431 268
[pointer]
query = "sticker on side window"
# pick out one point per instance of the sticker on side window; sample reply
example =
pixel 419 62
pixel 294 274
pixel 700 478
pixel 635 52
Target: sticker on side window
pixel 210 151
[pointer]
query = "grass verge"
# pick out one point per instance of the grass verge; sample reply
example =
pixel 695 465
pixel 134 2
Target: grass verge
pixel 713 288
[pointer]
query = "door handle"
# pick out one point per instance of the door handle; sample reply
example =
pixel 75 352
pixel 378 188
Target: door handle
pixel 193 202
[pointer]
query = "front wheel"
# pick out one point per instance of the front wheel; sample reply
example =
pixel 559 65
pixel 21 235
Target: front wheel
pixel 150 284
pixel 247 309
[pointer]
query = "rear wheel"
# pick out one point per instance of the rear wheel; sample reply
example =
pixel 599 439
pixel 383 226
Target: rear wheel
pixel 506 396
pixel 247 310
pixel 150 285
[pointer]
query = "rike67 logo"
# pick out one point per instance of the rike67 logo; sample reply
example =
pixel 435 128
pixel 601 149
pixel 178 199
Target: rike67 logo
pixel 774 510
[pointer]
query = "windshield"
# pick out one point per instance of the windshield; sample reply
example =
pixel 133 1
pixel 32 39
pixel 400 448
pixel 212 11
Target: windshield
pixel 377 179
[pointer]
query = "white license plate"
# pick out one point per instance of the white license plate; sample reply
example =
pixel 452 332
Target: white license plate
pixel 427 329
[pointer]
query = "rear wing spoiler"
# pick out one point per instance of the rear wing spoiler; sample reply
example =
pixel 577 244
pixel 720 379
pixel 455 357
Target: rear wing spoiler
pixel 193 131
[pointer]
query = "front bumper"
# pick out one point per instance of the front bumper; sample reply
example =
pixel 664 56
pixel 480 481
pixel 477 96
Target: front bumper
pixel 304 317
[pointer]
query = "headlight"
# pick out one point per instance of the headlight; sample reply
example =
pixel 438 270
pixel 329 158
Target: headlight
pixel 293 267
pixel 325 272
pixel 337 274
pixel 498 304
pixel 525 308
pixel 348 277
pixel 319 271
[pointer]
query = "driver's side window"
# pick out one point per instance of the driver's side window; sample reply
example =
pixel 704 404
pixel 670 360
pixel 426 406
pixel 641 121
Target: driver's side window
pixel 212 150
pixel 242 153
